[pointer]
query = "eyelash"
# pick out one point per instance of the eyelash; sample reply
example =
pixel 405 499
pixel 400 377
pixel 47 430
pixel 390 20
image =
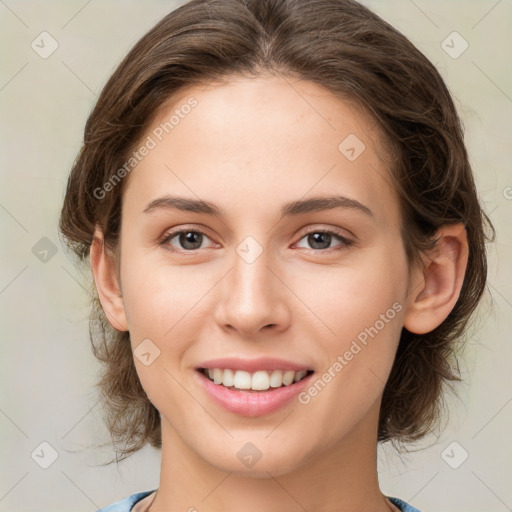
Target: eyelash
pixel 345 242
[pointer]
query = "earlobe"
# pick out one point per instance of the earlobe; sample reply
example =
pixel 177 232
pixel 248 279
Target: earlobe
pixel 107 285
pixel 432 300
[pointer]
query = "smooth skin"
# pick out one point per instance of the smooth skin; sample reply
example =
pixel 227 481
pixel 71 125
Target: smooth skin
pixel 249 147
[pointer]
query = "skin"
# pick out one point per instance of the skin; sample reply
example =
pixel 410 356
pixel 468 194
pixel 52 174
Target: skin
pixel 294 301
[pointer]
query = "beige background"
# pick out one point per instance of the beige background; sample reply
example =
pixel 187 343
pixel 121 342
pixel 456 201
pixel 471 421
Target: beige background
pixel 47 366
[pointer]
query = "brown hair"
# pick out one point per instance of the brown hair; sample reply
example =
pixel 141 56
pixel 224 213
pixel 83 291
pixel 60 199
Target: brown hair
pixel 344 47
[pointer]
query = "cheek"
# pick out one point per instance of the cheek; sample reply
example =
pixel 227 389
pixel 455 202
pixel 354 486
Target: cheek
pixel 353 298
pixel 156 295
pixel 362 305
pixel 363 309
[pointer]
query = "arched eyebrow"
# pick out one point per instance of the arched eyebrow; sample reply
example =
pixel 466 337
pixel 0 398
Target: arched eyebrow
pixel 315 204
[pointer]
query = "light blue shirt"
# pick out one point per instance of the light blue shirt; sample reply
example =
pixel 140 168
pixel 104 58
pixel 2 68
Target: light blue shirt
pixel 126 504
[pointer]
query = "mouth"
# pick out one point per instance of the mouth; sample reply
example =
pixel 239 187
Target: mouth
pixel 253 382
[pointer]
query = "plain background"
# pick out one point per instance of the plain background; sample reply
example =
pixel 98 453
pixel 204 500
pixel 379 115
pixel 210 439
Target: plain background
pixel 48 371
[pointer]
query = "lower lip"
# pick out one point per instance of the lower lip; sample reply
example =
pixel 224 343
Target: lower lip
pixel 256 403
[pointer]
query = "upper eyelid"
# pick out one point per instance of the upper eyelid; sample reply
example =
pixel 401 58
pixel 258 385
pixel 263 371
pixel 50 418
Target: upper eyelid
pixel 341 237
pixel 172 233
pixel 336 231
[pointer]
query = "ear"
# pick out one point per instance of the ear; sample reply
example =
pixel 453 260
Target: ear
pixel 109 291
pixel 440 281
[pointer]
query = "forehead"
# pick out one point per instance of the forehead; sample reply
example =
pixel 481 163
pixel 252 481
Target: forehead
pixel 252 140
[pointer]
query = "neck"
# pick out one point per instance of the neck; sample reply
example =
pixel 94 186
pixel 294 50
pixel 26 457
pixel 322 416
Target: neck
pixel 340 478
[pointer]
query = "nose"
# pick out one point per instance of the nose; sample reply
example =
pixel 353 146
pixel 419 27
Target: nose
pixel 254 298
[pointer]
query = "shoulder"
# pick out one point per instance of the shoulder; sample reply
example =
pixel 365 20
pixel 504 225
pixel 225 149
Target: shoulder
pixel 126 504
pixel 402 505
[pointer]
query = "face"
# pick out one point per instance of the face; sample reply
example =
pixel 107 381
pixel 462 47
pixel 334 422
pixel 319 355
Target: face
pixel 273 280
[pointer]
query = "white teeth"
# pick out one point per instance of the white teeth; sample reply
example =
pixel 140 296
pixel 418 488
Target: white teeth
pixel 276 379
pixel 217 375
pixel 229 378
pixel 288 377
pixel 257 381
pixel 299 375
pixel 260 381
pixel 242 380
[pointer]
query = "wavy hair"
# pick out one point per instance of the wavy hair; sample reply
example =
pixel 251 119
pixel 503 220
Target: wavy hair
pixel 352 52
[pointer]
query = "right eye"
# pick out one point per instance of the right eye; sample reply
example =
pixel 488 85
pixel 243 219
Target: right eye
pixel 189 239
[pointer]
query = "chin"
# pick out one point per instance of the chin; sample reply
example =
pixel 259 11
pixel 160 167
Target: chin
pixel 270 464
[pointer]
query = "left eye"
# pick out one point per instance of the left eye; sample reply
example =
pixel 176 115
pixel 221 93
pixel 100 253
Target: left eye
pixel 320 240
pixel 191 240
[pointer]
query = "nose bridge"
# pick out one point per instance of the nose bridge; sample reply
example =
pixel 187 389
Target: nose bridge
pixel 251 298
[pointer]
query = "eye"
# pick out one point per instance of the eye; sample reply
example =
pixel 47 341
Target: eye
pixel 192 239
pixel 189 239
pixel 321 240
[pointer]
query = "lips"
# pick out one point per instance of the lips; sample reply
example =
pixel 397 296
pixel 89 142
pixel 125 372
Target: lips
pixel 252 387
pixel 253 365
pixel 249 402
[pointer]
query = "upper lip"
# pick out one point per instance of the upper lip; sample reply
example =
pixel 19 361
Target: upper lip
pixel 252 365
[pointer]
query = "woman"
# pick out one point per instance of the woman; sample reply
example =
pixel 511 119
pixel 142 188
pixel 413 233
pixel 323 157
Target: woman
pixel 283 228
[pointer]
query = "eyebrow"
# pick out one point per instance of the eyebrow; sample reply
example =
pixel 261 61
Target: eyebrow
pixel 315 204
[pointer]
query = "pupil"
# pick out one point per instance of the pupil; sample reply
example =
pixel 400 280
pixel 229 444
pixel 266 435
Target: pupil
pixel 316 238
pixel 188 238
